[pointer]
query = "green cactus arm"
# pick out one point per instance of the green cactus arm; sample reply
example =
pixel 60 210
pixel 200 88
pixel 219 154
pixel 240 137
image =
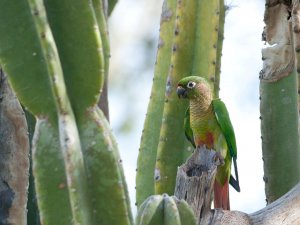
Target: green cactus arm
pixel 206 43
pixel 103 26
pixel 280 135
pixel 189 57
pixel 150 135
pixel 171 215
pixel 219 48
pixel 165 210
pixel 114 143
pixel 50 178
pixel 76 33
pixel 140 212
pixel 279 104
pixel 22 59
pixel 68 133
pixel 151 211
pixel 172 138
pixel 187 216
pixel 107 187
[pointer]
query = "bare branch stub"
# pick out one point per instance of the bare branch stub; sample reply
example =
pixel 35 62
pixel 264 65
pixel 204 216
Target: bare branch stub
pixel 195 180
pixel 194 184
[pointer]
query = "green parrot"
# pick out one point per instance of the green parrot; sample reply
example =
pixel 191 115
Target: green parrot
pixel 207 123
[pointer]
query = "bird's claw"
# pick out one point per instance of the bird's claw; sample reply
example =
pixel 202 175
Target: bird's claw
pixel 219 157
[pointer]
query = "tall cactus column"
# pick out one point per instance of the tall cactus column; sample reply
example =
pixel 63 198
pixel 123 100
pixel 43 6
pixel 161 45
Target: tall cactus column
pixel 172 140
pixel 73 144
pixel 190 43
pixel 279 104
pixel 194 52
pixel 150 136
pixel 220 30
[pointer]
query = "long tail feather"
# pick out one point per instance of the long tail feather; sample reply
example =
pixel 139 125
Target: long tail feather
pixel 235 182
pixel 221 196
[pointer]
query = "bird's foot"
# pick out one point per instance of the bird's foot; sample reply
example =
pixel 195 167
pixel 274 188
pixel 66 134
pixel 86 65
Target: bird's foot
pixel 219 157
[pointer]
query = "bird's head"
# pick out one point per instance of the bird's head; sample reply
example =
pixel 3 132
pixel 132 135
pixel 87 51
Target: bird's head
pixel 193 87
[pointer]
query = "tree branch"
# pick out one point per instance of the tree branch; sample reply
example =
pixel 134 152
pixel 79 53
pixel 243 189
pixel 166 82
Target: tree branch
pixel 194 183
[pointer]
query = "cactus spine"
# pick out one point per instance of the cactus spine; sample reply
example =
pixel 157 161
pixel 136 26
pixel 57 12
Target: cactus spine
pixel 220 30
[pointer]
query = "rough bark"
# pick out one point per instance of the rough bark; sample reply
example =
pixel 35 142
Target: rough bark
pixel 194 184
pixel 14 162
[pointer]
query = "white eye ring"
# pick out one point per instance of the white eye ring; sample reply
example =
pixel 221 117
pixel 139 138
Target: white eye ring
pixel 191 84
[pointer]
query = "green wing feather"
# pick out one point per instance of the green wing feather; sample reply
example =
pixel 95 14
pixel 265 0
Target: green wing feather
pixel 225 124
pixel 223 119
pixel 187 127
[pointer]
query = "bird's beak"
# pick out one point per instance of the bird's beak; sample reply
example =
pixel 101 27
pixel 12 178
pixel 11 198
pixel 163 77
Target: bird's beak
pixel 181 92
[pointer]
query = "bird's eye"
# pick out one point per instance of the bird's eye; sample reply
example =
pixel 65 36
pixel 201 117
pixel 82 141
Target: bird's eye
pixel 191 84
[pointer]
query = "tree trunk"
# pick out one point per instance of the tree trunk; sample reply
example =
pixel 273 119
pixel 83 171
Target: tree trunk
pixel 14 162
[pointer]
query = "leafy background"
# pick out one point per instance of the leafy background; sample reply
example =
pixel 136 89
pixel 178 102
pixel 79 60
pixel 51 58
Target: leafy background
pixel 134 27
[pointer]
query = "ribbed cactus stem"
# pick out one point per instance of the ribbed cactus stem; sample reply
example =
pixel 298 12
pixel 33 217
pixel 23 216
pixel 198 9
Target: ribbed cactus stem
pixel 98 6
pixel 61 51
pixel 69 137
pixel 85 61
pixel 52 191
pixel 165 210
pixel 119 164
pixel 107 188
pixel 279 114
pixel 220 30
pixel 152 124
pixel 172 139
pixel 207 40
pixel 21 47
pixel 194 53
pixel 103 27
pixel 171 215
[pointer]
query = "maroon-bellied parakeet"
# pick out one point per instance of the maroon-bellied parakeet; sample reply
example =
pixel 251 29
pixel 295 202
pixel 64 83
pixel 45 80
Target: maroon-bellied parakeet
pixel 207 123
